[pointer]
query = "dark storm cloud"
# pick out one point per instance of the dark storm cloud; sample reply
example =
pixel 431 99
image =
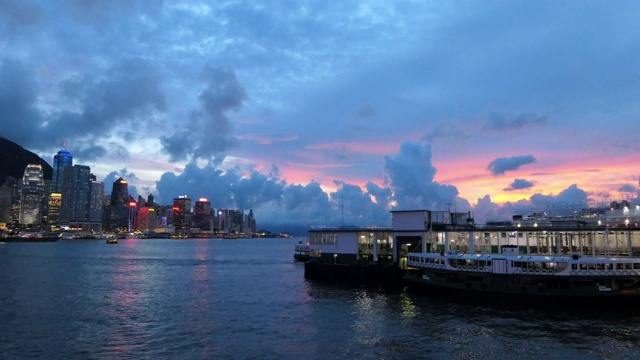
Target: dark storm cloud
pixel 20 120
pixel 121 97
pixel 519 184
pixel 500 122
pixel 124 96
pixel 207 133
pixel 410 174
pixel 501 165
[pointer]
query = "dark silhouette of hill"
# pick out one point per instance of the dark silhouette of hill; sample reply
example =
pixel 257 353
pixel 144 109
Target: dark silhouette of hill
pixel 14 159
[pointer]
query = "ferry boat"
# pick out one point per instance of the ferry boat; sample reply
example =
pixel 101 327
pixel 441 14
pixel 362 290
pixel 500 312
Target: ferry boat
pixel 567 277
pixel 112 240
pixel 301 252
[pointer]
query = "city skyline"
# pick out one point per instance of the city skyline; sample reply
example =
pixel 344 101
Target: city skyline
pixel 320 113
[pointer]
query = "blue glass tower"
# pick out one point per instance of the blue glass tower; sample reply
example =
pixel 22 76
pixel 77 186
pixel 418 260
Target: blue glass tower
pixel 61 160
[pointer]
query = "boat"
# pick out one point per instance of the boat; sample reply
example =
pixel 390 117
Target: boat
pixel 575 277
pixel 112 240
pixel 31 237
pixel 301 252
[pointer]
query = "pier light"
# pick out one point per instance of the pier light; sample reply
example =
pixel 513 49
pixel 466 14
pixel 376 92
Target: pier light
pixel 626 222
pixel 335 258
pixel 535 224
pixel 518 224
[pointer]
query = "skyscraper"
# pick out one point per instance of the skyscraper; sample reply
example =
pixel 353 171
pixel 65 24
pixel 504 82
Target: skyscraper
pixel 119 206
pixel 96 200
pixel 120 193
pixel 61 160
pixel 182 213
pixel 32 195
pixel 202 214
pixel 76 192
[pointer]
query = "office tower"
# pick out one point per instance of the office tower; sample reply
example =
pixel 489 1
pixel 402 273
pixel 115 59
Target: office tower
pixel 120 206
pixel 120 193
pixel 6 199
pixel 181 213
pixel 202 214
pixel 146 219
pixel 150 201
pixel 61 160
pixel 251 224
pixel 76 192
pixel 31 195
pixel 96 201
pixel 55 202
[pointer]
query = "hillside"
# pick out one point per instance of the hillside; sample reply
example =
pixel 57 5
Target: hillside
pixel 14 159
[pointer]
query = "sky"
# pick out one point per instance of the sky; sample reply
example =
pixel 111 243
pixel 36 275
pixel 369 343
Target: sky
pixel 322 113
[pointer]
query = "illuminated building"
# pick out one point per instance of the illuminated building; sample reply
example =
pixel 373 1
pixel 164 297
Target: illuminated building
pixel 61 160
pixel 146 219
pixel 120 193
pixel 6 199
pixel 119 213
pixel 96 201
pixel 182 213
pixel 202 214
pixel 55 201
pixel 32 195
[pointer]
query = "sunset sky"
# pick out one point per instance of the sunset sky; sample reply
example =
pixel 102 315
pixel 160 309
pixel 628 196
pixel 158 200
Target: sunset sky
pixel 296 109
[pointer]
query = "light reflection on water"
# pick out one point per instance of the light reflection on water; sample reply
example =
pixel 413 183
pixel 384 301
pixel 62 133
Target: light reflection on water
pixel 247 299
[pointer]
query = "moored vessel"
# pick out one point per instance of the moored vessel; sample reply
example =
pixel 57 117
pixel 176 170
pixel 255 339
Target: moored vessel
pixel 301 252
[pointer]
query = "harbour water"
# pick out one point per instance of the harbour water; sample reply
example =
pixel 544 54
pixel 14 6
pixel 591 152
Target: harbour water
pixel 248 299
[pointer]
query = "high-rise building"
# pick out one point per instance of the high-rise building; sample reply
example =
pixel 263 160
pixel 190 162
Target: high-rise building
pixel 6 199
pixel 76 192
pixel 119 216
pixel 202 214
pixel 61 160
pixel 55 202
pixel 146 219
pixel 32 195
pixel 96 201
pixel 120 193
pixel 182 213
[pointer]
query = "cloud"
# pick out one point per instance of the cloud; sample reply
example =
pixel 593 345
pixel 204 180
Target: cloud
pixel 501 165
pixel 444 131
pixel 20 119
pixel 500 122
pixel 122 97
pixel 410 174
pixel 123 173
pixel 207 133
pixel 628 188
pixel 366 111
pixel 519 184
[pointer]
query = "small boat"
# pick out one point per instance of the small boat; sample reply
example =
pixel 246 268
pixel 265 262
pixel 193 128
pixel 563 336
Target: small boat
pixel 301 252
pixel 112 240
